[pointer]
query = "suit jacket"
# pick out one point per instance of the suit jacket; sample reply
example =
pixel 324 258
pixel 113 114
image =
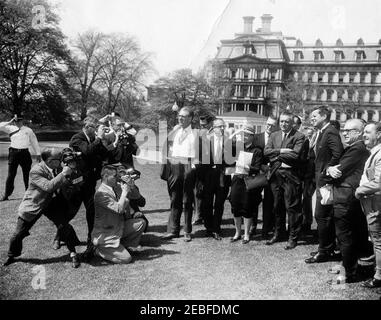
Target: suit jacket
pixel 39 194
pixel 92 156
pixel 296 159
pixel 109 217
pixel 370 183
pixel 261 141
pixel 328 152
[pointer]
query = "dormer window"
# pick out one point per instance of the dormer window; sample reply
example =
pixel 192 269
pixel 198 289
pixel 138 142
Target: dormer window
pixel 298 55
pixel 360 55
pixel 318 55
pixel 339 55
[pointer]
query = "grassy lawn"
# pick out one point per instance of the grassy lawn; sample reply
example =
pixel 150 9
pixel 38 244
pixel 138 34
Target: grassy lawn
pixel 203 269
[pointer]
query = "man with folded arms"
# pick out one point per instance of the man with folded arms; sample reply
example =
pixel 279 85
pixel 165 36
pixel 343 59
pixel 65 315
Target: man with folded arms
pixel 114 228
pixel 369 193
pixel 350 224
pixel 286 151
pixel 328 150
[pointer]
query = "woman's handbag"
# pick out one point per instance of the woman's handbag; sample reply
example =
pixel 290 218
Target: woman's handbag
pixel 258 181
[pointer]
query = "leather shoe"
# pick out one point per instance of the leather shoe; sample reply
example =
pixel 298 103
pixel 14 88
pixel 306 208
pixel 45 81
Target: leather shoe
pixel 272 241
pixel 369 259
pixel 170 236
pixel 245 241
pixel 217 236
pixel 187 237
pixel 56 245
pixel 9 261
pixel 253 231
pixel 75 263
pixel 372 283
pixel 234 239
pixel 319 258
pixel 291 245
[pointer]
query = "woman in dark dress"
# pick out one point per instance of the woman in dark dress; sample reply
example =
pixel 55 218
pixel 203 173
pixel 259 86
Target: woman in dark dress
pixel 244 202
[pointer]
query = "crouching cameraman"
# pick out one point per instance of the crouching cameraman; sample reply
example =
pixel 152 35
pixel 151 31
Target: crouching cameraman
pixel 115 229
pixel 136 199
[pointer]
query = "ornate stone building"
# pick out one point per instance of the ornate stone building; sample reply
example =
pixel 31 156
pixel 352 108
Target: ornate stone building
pixel 347 77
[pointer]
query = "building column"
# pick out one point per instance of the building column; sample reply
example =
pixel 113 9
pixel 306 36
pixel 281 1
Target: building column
pixel 333 114
pixel 376 116
pixel 365 115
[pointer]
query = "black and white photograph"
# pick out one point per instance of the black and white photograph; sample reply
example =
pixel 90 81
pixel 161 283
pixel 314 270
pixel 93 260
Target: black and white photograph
pixel 204 152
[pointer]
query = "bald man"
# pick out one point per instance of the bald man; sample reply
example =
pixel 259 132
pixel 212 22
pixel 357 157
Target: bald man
pixel 349 219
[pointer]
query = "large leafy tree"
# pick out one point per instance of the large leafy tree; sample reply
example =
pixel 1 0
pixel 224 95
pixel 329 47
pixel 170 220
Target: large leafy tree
pixel 85 68
pixel 183 88
pixel 32 50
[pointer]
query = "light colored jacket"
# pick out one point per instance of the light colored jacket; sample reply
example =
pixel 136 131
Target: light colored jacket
pixel 370 182
pixel 42 186
pixel 109 218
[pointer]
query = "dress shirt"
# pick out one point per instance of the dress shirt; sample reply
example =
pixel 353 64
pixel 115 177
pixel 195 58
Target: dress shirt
pixel 375 158
pixel 87 137
pixel 22 138
pixel 184 143
pixel 267 136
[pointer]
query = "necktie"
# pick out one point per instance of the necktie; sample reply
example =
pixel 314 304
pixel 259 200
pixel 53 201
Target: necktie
pixel 218 155
pixel 284 139
pixel 317 140
pixel 116 195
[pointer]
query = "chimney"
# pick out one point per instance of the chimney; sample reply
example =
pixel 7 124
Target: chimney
pixel 266 23
pixel 248 24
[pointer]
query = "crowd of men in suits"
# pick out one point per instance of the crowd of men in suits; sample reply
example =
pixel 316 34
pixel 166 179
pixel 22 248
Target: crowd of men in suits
pixel 204 168
pixel 281 168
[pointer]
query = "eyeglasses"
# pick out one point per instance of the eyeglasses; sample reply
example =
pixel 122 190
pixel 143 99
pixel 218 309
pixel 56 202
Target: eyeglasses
pixel 348 130
pixel 183 117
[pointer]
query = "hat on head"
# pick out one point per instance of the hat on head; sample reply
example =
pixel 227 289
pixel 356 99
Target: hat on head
pixel 248 129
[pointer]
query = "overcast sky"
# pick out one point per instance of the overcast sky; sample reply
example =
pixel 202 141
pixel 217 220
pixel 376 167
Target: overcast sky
pixel 183 33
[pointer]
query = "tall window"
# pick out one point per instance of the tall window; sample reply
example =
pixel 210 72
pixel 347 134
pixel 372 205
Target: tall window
pixel 318 55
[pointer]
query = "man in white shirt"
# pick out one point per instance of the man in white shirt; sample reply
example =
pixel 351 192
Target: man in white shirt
pixel 181 175
pixel 369 193
pixel 22 138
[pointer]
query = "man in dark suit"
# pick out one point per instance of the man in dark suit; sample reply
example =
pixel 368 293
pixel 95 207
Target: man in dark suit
pixel 216 183
pixel 328 151
pixel 286 151
pixel 268 217
pixel 94 150
pixel 350 222
pixel 39 199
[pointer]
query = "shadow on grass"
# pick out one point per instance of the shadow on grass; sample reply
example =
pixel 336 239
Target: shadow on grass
pixel 155 211
pixel 65 258
pixel 143 255
pixel 157 229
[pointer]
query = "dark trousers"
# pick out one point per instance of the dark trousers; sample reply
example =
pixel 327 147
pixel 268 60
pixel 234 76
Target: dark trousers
pixel 351 229
pixel 325 225
pixel 308 191
pixel 287 194
pixel 16 158
pixel 198 191
pixel 87 196
pixel 181 182
pixel 65 230
pixel 216 189
pixel 268 217
pixel 244 203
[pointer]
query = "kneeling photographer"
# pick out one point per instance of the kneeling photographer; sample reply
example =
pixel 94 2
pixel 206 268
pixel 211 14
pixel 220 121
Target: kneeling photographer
pixel 116 227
